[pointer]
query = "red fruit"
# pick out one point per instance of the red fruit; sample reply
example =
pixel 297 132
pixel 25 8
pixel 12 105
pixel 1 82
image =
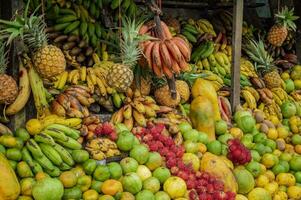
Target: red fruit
pixel 153 147
pixel 183 175
pixel 193 195
pixel 171 163
pixel 174 170
pixel 159 144
pixel 170 154
pixel 169 142
pixel 201 189
pixel 238 153
pixel 230 195
pixel 198 174
pixel 107 128
pixel 113 136
pixel 218 185
pixel 98 129
pixel 190 184
pixel 147 137
pixel 164 151
pixel 210 188
pixel 181 165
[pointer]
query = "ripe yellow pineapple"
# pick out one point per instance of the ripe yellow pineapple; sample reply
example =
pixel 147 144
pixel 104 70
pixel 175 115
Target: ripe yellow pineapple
pixel 264 63
pixel 47 59
pixel 8 86
pixel 284 22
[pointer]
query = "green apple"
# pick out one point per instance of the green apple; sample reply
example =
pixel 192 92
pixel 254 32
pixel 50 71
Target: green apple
pixel 259 138
pixel 221 127
pixel 254 167
pixel 203 138
pixel 191 147
pixel 215 147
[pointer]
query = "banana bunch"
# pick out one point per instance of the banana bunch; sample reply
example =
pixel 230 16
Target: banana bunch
pixel 102 148
pixel 249 98
pixel 216 81
pixel 89 125
pixel 247 68
pixel 272 110
pixel 222 22
pixel 266 95
pixel 136 111
pixel 73 102
pixel 51 150
pixel 244 81
pixel 204 26
pixel 295 96
pixel 221 44
pixel 280 95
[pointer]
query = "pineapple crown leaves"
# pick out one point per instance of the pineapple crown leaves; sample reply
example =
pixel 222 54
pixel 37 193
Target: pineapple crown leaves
pixel 129 45
pixel 3 56
pixel 286 18
pixel 256 51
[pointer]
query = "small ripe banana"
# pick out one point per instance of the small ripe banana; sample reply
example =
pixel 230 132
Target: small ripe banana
pixel 92 75
pixel 90 84
pixel 250 99
pixel 139 118
pixel 101 86
pixel 71 74
pixel 253 92
pixel 62 81
pixel 83 73
pixel 75 78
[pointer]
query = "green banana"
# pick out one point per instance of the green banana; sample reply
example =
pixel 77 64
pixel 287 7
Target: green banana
pixel 27 157
pixel 212 60
pixel 60 27
pixel 98 30
pixel 91 30
pixel 126 4
pixel 44 138
pixel 73 133
pixel 51 154
pixel 70 143
pixel 65 155
pixel 86 3
pixel 67 11
pixel 72 27
pixel 191 29
pixel 56 134
pixel 36 167
pixel 191 38
pixel 65 19
pixel 92 9
pixel 64 167
pixel 34 148
pixel 99 4
pixel 198 52
pixel 115 4
pixel 116 100
pixel 45 163
pixel 94 40
pixel 83 28
pixel 208 51
pixel 54 173
pixel 132 10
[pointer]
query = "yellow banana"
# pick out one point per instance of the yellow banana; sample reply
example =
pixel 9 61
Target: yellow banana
pixel 199 64
pixel 92 76
pixel 62 80
pixel 253 92
pixel 90 84
pixel 129 123
pixel 139 118
pixel 75 78
pixel 225 58
pixel 127 113
pixel 206 64
pixel 279 93
pixel 57 80
pixel 219 58
pixel 117 117
pixel 138 106
pixel 250 99
pixel 277 99
pixel 150 112
pixel 83 73
pixel 101 86
pixel 71 74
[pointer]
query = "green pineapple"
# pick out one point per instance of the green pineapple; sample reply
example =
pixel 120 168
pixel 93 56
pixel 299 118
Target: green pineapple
pixel 263 63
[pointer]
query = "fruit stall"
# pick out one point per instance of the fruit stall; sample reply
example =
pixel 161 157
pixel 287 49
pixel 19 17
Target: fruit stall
pixel 150 100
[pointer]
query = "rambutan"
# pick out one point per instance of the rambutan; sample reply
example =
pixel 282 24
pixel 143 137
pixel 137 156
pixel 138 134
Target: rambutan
pixel 238 153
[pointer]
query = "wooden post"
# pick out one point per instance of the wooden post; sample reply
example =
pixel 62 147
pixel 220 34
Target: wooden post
pixel 297 5
pixel 236 54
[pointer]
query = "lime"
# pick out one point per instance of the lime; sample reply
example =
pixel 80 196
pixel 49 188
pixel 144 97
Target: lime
pixel 215 147
pixel 254 168
pixel 184 127
pixel 289 85
pixel 271 143
pixel 260 148
pixel 192 135
pixel 298 177
pixel 295 163
pixel 285 164
pixel 277 169
pixel 220 127
pixel 296 139
pixel 203 138
pixel 224 138
pixel 255 155
pixel 259 138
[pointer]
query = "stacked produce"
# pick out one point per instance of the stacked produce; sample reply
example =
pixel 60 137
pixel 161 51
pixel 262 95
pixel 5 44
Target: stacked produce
pixel 171 133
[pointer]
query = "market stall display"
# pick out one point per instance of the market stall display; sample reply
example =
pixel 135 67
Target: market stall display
pixel 166 82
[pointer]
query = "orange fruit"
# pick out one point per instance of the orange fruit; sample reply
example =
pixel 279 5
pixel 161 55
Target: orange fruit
pixel 236 132
pixel 202 148
pixel 90 195
pixel 68 178
pixel 41 175
pixel 111 187
pixel 298 148
pixel 289 148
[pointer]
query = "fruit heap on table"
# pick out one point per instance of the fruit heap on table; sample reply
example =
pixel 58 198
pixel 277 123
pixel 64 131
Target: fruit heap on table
pixel 165 86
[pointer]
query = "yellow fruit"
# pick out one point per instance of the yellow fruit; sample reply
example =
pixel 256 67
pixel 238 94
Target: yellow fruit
pixel 282 132
pixel 289 148
pixel 175 187
pixel 34 126
pixel 236 132
pixel 202 148
pixel 41 175
pixel 90 195
pixel 271 187
pixel 263 168
pixel 262 181
pixel 280 195
pixel 274 119
pixel 277 152
pixel 259 194
pixel 272 134
pixel 285 76
pixel 298 148
pixel 269 160
pixel 297 84
pixel 111 187
pixel 294 192
pixel 68 179
pixel 240 197
pixel 286 179
pixel 228 162
pixel 270 175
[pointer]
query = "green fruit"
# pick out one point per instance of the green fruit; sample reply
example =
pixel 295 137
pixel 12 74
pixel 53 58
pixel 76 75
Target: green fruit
pixel 154 161
pixel 161 195
pixel 268 149
pixel 224 150
pixel 277 169
pixel 190 158
pixel 96 185
pixel 260 148
pixel 191 147
pixel 289 85
pixel 162 174
pixel 72 193
pixel 244 180
pixel 221 127
pixel 152 184
pixel 26 185
pixel 125 141
pixel 288 109
pixel 271 143
pixel 285 156
pixel 295 163
pixel 203 138
pixel 2 149
pixel 296 139
pixel 129 165
pixel 239 114
pixel 115 170
pixel 13 154
pixel 215 147
pixel 259 138
pixel 22 134
pixel 140 153
pixel 80 156
pixel 132 183
pixel 192 135
pixel 246 124
pixel 106 197
pixel 255 155
pixel 184 127
pixel 13 164
pixel 101 173
pixel 285 164
pixel 254 168
pixel 248 137
pixel 224 138
pixel 89 166
pixel 298 177
pixel 145 194
pixel 48 188
pixel 259 194
pixel 24 170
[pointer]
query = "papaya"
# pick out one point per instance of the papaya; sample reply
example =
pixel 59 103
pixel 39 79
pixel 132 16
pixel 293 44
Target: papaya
pixel 9 185
pixel 205 88
pixel 202 117
pixel 217 167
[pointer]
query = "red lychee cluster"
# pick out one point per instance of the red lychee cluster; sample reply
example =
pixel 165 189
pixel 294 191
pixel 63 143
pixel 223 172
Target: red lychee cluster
pixel 106 129
pixel 203 186
pixel 238 153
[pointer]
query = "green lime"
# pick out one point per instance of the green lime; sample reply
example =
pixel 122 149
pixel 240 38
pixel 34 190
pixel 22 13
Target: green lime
pixel 221 127
pixel 260 148
pixel 224 150
pixel 203 138
pixel 271 143
pixel 254 167
pixel 295 163
pixel 215 147
pixel 277 169
pixel 13 154
pixel 298 177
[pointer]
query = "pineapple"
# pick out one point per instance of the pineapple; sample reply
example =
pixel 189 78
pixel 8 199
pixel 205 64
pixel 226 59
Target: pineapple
pixel 47 59
pixel 8 86
pixel 284 22
pixel 264 63
pixel 121 75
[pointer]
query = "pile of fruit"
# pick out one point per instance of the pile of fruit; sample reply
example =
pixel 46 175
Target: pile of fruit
pixel 138 108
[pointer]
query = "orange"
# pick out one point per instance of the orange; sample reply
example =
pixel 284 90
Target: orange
pixel 202 148
pixel 90 195
pixel 111 187
pixel 41 175
pixel 298 148
pixel 68 179
pixel 289 148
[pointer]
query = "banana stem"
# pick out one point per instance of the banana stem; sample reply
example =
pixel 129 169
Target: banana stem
pixel 38 90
